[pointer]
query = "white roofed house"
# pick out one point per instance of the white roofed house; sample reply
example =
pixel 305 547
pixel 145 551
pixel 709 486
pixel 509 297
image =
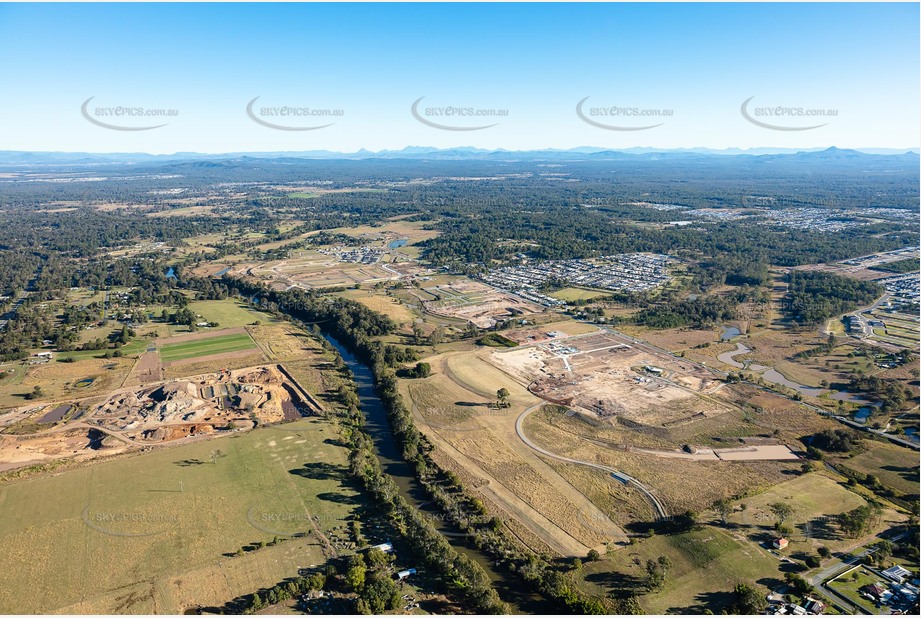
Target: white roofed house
pixel 387 547
pixel 897 573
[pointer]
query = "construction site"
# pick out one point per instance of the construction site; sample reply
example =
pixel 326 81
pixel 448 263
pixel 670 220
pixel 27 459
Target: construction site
pixel 198 406
pixel 611 377
pixel 476 302
pixel 235 400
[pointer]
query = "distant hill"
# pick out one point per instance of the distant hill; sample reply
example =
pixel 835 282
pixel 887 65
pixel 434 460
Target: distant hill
pixel 585 153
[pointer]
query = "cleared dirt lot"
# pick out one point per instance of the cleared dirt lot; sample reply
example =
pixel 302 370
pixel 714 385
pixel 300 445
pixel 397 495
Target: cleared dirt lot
pixel 476 302
pixel 613 377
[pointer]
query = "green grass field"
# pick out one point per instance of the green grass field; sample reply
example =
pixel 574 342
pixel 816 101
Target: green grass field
pixel 814 498
pixel 894 466
pixel 203 347
pixel 149 533
pixel 228 313
pixel 706 564
pixel 572 294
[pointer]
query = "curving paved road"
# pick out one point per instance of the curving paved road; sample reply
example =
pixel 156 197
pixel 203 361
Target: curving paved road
pixel 519 429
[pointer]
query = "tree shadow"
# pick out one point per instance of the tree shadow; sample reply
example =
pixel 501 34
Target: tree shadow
pixel 616 580
pixel 771 583
pixel 911 474
pixel 339 498
pixel 185 463
pixel 321 471
pixel 706 602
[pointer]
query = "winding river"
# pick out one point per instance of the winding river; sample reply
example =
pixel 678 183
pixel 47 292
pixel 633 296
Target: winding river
pixel 386 448
pixel 775 377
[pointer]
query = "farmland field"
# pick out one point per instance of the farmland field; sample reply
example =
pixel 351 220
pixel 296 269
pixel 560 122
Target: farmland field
pixel 815 499
pixel 704 563
pixel 572 294
pixel 156 533
pixel 219 344
pixel 383 304
pixel 894 466
pixel 227 313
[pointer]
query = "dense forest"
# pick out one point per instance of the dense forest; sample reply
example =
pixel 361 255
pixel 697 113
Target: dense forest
pixel 816 296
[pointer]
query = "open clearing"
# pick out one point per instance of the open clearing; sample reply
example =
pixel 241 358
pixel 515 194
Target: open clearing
pixel 382 303
pixel 454 408
pixel 585 439
pixel 228 313
pixel 216 344
pixel 84 378
pixel 476 302
pixel 574 294
pixel 151 533
pixel 894 466
pixel 816 500
pixel 704 565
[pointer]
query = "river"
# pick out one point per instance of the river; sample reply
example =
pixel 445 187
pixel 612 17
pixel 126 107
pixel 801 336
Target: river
pixel 775 377
pixel 509 587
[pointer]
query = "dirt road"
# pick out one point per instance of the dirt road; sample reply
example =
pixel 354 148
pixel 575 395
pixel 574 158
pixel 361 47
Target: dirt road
pixel 519 429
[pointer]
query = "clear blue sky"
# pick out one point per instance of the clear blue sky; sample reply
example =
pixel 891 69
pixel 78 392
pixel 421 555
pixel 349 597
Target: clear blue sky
pixel 537 61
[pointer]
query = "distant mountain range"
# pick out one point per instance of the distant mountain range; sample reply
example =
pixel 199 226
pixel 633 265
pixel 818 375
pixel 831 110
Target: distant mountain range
pixel 25 158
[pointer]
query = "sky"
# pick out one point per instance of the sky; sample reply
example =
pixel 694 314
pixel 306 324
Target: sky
pixel 513 72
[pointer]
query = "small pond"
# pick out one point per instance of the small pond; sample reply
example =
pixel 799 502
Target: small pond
pixel 729 332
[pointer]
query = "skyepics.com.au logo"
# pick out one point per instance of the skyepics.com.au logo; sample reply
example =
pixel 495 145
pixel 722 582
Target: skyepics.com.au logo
pixel 286 523
pixel 594 519
pixel 461 416
pixel 430 512
pixel 125 117
pixel 782 520
pixel 291 117
pixel 786 201
pixel 129 522
pixel 456 117
pixel 785 117
pixel 621 118
pixel 441 201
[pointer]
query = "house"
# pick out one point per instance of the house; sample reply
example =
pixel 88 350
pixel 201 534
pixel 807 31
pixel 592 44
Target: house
pixel 798 610
pixel 404 574
pixel 897 573
pixel 387 547
pixel 780 543
pixel 814 607
pixel 874 590
pixel 45 355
